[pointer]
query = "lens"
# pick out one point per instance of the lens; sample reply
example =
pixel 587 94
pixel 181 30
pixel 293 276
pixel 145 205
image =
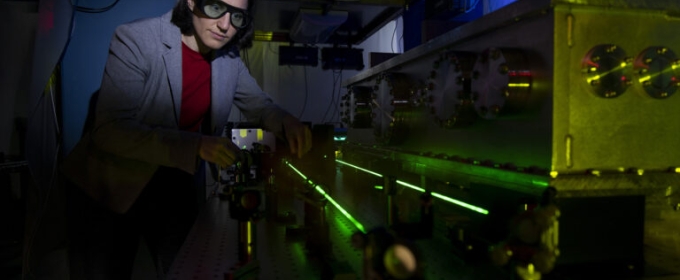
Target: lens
pixel 238 19
pixel 214 9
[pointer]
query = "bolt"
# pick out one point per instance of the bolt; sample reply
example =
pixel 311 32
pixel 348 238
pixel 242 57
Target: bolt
pixel 611 49
pixel 595 59
pixel 662 50
pixel 643 71
pixel 628 82
pixel 610 93
pixel 595 83
pixel 506 92
pixel 648 60
pixel 663 94
pixel 646 83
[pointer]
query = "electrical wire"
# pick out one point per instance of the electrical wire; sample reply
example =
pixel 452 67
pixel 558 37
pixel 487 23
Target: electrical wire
pixel 396 24
pixel 50 186
pixel 269 47
pixel 472 7
pixel 93 10
pixel 336 109
pixel 304 107
pixel 328 109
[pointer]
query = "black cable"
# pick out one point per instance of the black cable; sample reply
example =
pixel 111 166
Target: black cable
pixel 337 106
pixel 335 102
pixel 93 10
pixel 304 107
pixel 335 80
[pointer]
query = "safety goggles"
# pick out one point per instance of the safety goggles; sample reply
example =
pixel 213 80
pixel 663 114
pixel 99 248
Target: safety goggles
pixel 216 9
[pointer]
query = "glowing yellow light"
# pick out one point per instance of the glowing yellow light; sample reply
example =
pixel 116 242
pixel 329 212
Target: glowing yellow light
pixel 596 172
pixel 521 85
pixel 623 64
pixel 250 238
pixel 263 36
pixel 260 135
pixel 644 79
pixel 640 172
pixel 677 170
pixel 594 78
pixel 553 174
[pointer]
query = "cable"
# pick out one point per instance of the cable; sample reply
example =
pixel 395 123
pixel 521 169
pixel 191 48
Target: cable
pixel 335 80
pixel 472 7
pixel 337 105
pixel 50 186
pixel 269 47
pixel 304 107
pixel 93 10
pixel 396 24
pixel 43 209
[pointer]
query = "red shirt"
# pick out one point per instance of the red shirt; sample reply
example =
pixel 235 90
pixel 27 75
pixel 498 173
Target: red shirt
pixel 195 89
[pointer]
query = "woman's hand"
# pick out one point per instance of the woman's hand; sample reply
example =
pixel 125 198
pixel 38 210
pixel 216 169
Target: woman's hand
pixel 218 150
pixel 298 135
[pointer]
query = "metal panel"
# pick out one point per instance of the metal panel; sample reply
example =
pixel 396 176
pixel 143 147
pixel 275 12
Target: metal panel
pixel 630 131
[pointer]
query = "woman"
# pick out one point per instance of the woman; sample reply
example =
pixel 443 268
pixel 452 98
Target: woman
pixel 168 87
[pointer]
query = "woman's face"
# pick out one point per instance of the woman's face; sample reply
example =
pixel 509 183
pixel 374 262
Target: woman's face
pixel 213 34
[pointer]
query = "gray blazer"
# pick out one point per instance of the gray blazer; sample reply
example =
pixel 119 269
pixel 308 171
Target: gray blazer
pixel 136 123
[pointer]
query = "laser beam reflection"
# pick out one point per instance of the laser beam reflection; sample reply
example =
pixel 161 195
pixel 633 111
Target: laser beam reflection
pixel 605 73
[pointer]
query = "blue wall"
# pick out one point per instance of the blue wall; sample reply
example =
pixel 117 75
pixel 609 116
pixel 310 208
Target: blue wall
pixel 83 63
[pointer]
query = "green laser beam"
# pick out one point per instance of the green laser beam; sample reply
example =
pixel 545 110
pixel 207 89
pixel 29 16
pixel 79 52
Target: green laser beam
pixel 357 167
pixel 318 188
pixel 414 187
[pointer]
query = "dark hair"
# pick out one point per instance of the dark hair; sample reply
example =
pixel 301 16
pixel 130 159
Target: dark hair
pixel 182 18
